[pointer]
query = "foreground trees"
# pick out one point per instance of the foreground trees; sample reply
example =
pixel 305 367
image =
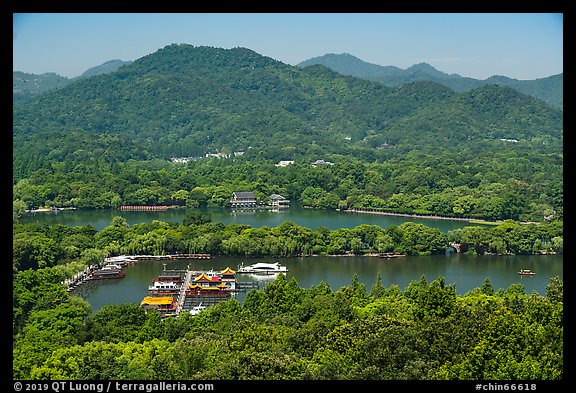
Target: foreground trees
pixel 283 331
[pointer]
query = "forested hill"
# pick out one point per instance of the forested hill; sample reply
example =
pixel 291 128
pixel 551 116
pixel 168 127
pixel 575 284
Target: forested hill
pixel 25 86
pixel 188 101
pixel 549 89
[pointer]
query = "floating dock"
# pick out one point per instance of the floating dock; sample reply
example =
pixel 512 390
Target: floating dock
pixel 143 208
pixel 193 289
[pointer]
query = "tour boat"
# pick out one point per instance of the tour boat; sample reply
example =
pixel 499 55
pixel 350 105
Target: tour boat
pixel 196 309
pixel 390 255
pixel 164 286
pixel 526 272
pixel 262 268
pixel 108 271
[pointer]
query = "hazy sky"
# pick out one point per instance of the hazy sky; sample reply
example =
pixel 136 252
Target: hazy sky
pixel 477 45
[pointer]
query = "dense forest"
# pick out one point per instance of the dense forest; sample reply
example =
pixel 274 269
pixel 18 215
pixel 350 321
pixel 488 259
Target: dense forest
pixel 285 332
pixel 108 140
pixel 422 148
pixel 208 99
pixel 73 248
pixel 497 187
pixel 549 89
pixel 26 86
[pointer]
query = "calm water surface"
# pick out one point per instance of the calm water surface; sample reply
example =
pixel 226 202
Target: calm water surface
pixel 309 218
pixel 466 272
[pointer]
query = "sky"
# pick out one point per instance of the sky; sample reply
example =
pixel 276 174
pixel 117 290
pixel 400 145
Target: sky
pixel 478 45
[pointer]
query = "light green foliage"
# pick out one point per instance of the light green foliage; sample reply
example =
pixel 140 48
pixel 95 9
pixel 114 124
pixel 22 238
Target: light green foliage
pixel 287 332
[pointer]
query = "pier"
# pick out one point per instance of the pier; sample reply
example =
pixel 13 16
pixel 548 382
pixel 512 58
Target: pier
pixel 123 260
pixel 144 208
pixel 80 278
pixel 194 290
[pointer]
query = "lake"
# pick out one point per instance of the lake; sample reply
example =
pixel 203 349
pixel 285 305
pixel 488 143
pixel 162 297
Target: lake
pixel 466 272
pixel 257 218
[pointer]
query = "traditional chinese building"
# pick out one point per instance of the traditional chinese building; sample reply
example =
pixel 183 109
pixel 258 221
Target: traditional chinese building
pixel 243 199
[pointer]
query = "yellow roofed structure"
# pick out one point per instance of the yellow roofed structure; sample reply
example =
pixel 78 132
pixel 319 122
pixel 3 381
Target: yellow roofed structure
pixel 227 271
pixel 202 277
pixel 157 300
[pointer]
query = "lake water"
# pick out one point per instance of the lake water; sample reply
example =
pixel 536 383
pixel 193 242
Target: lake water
pixel 465 271
pixel 309 218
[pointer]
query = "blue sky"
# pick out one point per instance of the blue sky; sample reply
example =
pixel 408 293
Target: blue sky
pixel 477 45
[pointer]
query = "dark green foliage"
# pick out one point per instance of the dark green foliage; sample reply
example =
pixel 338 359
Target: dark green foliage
pixel 514 188
pixel 489 153
pixel 25 86
pixel 115 323
pixel 549 89
pixel 287 332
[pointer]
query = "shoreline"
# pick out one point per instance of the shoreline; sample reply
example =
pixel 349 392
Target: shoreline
pixel 49 209
pixel 472 220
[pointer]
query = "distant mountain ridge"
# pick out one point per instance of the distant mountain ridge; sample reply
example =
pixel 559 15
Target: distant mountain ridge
pixel 549 89
pixel 186 101
pixel 25 85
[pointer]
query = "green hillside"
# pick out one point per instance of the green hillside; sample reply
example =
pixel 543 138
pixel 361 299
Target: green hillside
pixel 189 101
pixel 491 152
pixel 549 89
pixel 25 86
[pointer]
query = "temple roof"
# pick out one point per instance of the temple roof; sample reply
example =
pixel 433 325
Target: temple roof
pixel 227 271
pixel 202 277
pixel 157 300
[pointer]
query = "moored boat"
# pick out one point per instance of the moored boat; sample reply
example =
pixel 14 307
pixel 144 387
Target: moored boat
pixel 526 272
pixel 107 272
pixel 165 286
pixel 262 268
pixel 390 255
pixel 195 310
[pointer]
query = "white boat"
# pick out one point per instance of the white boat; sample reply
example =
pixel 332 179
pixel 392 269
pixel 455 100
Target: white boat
pixel 526 272
pixel 164 286
pixel 111 266
pixel 196 309
pixel 263 277
pixel 262 268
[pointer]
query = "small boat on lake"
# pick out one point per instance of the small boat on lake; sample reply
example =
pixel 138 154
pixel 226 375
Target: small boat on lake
pixel 107 272
pixel 262 268
pixel 391 255
pixel 526 272
pixel 195 310
pixel 165 286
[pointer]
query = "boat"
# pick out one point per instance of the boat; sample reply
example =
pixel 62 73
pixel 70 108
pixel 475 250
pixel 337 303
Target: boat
pixel 526 272
pixel 263 277
pixel 164 286
pixel 390 255
pixel 262 268
pixel 112 266
pixel 107 272
pixel 172 278
pixel 196 309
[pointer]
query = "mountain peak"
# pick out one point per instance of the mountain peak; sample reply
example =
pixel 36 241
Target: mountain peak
pixel 549 89
pixel 424 68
